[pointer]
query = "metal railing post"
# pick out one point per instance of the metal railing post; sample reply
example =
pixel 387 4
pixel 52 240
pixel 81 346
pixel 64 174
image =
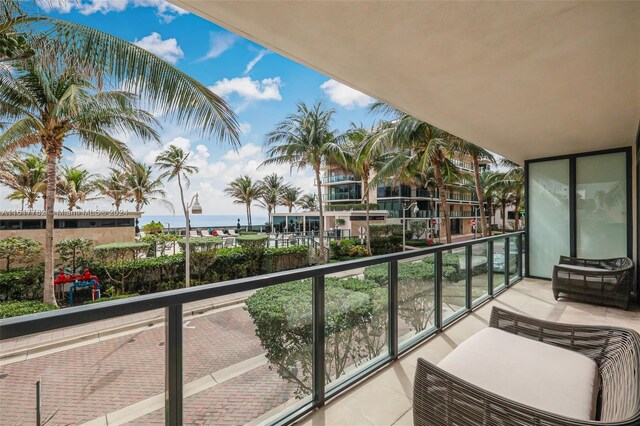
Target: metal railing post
pixel 507 266
pixel 393 310
pixel 318 383
pixel 437 282
pixel 520 248
pixel 490 267
pixel 173 366
pixel 468 276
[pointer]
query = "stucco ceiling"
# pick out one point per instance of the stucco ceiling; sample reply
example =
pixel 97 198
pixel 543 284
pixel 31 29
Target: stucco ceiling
pixel 523 79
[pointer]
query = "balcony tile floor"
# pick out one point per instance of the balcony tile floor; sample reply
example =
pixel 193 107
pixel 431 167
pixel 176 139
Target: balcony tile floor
pixel 385 398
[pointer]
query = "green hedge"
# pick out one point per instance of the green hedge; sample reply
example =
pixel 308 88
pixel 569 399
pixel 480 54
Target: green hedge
pixel 17 308
pixel 22 284
pixel 355 320
pixel 347 247
pixel 386 238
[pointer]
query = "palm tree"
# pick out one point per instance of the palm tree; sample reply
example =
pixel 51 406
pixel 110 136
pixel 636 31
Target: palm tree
pixel 363 153
pixel 308 202
pixel 270 188
pixel 514 180
pixel 172 93
pixel 26 176
pixel 290 197
pixel 417 146
pixel 75 186
pixel 244 191
pixel 175 163
pixel 501 191
pixel 114 186
pixel 305 139
pixel 45 103
pixel 460 146
pixel 143 188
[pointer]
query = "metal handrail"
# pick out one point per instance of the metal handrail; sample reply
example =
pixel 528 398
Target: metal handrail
pixel 78 315
pixel 173 301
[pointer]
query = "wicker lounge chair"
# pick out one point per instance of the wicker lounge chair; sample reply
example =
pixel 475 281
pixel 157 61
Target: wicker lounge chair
pixel 441 398
pixel 603 282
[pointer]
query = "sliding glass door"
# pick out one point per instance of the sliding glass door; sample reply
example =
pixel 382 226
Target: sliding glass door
pixel 548 215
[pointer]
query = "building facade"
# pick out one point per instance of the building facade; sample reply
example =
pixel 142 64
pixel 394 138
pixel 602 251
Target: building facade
pixel 342 189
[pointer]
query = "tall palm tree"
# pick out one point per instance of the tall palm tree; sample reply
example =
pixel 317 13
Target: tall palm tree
pixel 173 94
pixel 308 202
pixel 363 153
pixel 463 147
pixel 306 139
pixel 45 103
pixel 501 191
pixel 26 176
pixel 244 191
pixel 290 197
pixel 114 186
pixel 174 162
pixel 514 180
pixel 143 187
pixel 75 185
pixel 270 188
pixel 418 145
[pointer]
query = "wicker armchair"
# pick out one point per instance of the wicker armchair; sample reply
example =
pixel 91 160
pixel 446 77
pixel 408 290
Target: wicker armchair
pixel 442 399
pixel 603 282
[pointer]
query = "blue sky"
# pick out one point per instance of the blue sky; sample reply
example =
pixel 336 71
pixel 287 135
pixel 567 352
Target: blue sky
pixel 261 86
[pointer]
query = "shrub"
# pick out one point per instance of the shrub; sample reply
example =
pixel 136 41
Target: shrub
pixel 347 247
pixel 18 249
pixel 200 243
pixel 282 259
pixel 355 318
pixel 120 251
pixel 74 252
pixel 22 285
pixel 254 247
pixel 15 308
pixel 385 238
pixel 159 243
pixel 152 227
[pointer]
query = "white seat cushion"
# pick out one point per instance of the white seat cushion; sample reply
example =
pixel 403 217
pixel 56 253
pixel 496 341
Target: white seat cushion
pixel 527 371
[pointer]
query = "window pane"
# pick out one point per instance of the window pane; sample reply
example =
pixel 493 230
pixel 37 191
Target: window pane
pixel 453 282
pixel 549 215
pixel 479 266
pixel 601 206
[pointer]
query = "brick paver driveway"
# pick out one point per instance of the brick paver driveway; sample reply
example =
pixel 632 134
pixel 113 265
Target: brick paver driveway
pixel 88 382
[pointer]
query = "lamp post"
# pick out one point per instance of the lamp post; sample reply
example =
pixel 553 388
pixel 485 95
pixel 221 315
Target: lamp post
pixel 195 208
pixel 404 222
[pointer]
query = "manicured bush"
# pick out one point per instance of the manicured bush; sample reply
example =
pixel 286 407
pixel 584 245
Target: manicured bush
pixel 18 308
pixel 18 250
pixel 120 251
pixel 74 253
pixel 282 259
pixel 385 238
pixel 23 284
pixel 347 247
pixel 200 243
pixel 355 318
pixel 152 227
pixel 159 243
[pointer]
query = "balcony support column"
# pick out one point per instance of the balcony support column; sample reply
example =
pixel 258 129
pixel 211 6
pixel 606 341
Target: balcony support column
pixel 490 267
pixel 318 378
pixel 173 366
pixel 393 310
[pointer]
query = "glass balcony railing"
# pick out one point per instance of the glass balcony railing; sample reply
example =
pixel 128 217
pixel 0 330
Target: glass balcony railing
pixel 339 178
pixel 462 197
pixel 263 349
pixel 342 196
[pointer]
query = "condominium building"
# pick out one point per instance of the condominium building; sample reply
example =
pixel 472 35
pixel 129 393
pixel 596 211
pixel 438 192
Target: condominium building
pixel 345 190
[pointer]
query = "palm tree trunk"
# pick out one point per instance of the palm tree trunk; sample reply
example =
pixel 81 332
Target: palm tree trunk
pixel 249 215
pixel 480 195
pixel 516 225
pixel 290 207
pixel 504 216
pixel 443 200
pixel 49 295
pixel 321 214
pixel 187 248
pixel 367 203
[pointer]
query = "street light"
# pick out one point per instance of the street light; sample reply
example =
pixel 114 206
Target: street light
pixel 404 222
pixel 195 208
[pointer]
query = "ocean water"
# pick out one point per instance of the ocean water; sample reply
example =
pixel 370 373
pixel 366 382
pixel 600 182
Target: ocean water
pixel 203 220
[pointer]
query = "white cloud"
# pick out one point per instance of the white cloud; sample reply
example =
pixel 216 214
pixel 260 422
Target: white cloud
pixel 252 63
pixel 248 89
pixel 245 128
pixel 168 49
pixel 219 43
pixel 166 11
pixel 344 95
